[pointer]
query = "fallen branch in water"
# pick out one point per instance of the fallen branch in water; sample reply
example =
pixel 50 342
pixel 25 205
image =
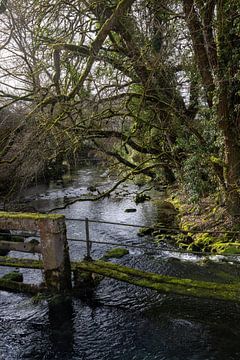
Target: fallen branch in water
pixel 105 193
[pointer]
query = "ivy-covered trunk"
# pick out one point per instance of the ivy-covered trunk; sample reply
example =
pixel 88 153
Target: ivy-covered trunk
pixel 232 158
pixel 228 109
pixel 214 26
pixel 229 121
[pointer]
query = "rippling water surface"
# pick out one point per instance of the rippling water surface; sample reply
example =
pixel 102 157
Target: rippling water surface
pixel 119 321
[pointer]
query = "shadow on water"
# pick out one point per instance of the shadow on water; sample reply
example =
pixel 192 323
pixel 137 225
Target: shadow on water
pixel 61 325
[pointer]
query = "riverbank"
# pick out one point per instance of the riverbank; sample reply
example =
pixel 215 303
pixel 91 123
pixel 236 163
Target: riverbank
pixel 207 226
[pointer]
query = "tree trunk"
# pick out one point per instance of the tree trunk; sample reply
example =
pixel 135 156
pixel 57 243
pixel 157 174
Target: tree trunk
pixel 229 99
pixel 229 123
pixel 169 175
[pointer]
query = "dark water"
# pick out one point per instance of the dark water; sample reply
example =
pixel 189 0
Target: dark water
pixel 120 321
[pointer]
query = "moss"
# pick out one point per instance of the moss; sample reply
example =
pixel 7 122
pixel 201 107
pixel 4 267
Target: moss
pixel 176 203
pixel 9 285
pixel 15 238
pixel 165 237
pixel 163 283
pixel 141 180
pixel 115 253
pixel 20 263
pixel 13 276
pixel 227 277
pixel 183 238
pixel 32 216
pixel 85 279
pixel 202 242
pixel 39 297
pixel 230 248
pixel 216 160
pixel 187 226
pixel 159 238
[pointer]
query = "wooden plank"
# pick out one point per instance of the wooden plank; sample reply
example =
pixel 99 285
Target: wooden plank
pixel 20 263
pixel 162 283
pixel 158 282
pixel 20 287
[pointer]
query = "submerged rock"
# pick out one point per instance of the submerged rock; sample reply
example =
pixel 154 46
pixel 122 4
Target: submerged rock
pixel 130 210
pixel 115 253
pixel 140 198
pixel 167 214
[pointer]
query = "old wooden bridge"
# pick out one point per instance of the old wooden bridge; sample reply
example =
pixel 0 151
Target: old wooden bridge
pixel 57 267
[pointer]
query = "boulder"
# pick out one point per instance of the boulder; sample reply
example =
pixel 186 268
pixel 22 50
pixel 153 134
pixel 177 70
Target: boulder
pixel 167 214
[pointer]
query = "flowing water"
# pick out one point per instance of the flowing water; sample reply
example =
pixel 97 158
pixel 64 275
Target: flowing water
pixel 119 321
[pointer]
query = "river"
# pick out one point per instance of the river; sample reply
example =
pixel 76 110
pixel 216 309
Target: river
pixel 119 321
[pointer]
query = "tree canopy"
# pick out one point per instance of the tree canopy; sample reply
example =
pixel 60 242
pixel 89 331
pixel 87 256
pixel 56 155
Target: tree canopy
pixel 153 85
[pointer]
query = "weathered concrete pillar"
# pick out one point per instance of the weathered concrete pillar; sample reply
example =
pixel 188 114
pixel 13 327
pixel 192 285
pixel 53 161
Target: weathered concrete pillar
pixel 54 247
pixel 56 262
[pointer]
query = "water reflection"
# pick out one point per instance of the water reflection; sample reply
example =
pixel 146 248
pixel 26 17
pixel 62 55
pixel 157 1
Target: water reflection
pixel 61 325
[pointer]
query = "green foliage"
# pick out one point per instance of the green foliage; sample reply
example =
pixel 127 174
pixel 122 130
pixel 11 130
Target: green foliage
pixel 202 242
pixel 141 74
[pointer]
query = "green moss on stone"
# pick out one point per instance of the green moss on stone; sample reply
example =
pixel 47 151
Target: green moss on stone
pixel 13 276
pixel 115 253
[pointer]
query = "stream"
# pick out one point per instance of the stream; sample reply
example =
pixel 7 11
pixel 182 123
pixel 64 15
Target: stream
pixel 119 321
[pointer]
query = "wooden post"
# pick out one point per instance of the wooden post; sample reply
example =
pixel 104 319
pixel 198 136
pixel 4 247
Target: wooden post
pixel 56 262
pixel 88 242
pixel 83 281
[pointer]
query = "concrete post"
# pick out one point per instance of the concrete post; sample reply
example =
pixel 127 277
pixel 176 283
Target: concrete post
pixel 54 247
pixel 56 262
